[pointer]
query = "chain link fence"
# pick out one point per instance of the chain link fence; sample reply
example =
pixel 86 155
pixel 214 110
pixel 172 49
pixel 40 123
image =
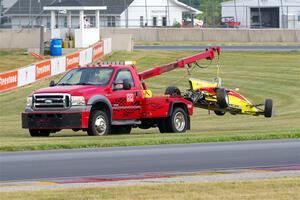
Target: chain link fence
pixel 213 15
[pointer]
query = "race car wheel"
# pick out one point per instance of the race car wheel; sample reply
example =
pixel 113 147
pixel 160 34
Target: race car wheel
pixel 173 91
pixel 39 133
pixel 178 121
pixel 222 98
pixel 268 108
pixel 98 124
pixel 219 113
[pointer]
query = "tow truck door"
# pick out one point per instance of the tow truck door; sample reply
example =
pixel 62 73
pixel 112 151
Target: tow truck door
pixel 126 103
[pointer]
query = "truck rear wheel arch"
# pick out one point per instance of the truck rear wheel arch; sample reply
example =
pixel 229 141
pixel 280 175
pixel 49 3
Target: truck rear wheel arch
pixel 174 105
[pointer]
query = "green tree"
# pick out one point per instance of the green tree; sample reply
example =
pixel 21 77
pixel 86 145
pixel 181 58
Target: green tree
pixel 211 11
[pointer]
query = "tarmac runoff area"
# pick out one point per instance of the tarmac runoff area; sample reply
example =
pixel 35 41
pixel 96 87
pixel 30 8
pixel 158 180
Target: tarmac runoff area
pixel 148 179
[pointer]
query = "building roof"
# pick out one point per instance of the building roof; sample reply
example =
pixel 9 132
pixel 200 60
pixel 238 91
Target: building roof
pixel 21 7
pixel 114 7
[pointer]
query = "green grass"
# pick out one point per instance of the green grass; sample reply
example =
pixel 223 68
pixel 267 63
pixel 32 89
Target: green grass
pixel 15 58
pixel 257 75
pixel 194 43
pixel 267 189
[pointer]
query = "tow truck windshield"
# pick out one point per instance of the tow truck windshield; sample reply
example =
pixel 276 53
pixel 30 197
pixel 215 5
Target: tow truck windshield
pixel 87 76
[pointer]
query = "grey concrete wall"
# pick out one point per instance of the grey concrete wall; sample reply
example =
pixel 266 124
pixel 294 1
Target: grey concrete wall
pixel 25 38
pixel 122 38
pixel 197 34
pixel 120 42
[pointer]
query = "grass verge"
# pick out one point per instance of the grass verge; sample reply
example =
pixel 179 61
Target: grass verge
pixel 257 75
pixel 15 58
pixel 283 188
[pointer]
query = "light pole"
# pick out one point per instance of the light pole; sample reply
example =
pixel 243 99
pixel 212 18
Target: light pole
pixel 259 14
pixel 235 11
pixel 146 9
pixel 1 10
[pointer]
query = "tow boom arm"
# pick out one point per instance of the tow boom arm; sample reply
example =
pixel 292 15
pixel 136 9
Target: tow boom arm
pixel 181 63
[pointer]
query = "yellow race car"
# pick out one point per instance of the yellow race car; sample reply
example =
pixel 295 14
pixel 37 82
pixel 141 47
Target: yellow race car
pixel 212 96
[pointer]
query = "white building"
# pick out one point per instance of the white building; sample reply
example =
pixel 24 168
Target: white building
pixel 264 13
pixel 119 13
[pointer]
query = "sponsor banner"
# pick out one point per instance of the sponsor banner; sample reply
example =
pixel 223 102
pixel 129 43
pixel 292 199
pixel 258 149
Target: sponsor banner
pixel 72 61
pixel 86 57
pixel 26 75
pixel 43 69
pixel 97 51
pixel 58 65
pixel 8 80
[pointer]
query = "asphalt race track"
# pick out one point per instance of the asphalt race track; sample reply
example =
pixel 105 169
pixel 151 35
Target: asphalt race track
pixel 224 48
pixel 111 162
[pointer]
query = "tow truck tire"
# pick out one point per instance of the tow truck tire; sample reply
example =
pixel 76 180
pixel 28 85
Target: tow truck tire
pixel 98 124
pixel 173 91
pixel 178 121
pixel 163 126
pixel 222 98
pixel 268 108
pixel 39 132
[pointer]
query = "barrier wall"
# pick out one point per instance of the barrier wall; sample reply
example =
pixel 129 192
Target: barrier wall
pixel 207 34
pixel 47 68
pixel 23 39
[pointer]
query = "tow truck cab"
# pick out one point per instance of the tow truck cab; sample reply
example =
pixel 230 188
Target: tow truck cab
pixel 103 100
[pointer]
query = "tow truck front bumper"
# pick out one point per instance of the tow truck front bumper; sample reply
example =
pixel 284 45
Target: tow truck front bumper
pixel 74 118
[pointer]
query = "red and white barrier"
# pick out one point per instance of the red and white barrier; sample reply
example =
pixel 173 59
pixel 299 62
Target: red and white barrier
pixel 47 68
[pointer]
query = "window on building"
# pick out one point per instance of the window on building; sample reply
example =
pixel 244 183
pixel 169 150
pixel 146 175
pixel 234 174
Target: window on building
pixel 48 22
pixel 92 21
pixel 164 21
pixel 111 21
pixel 154 21
pixel 298 18
pixel 65 22
pixel 38 21
pixel 141 21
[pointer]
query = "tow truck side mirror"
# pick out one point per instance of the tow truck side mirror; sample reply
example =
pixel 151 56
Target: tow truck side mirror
pixel 126 85
pixel 52 83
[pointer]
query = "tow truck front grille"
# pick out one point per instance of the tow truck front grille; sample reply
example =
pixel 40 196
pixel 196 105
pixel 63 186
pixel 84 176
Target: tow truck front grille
pixel 51 101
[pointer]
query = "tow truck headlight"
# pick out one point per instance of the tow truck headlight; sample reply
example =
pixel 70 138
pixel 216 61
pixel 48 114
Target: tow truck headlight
pixel 29 101
pixel 77 101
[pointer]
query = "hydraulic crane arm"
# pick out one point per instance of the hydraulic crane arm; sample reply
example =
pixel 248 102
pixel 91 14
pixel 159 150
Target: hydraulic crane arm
pixel 181 63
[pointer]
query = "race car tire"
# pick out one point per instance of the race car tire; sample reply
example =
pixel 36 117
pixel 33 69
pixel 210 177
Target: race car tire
pixel 121 129
pixel 178 122
pixel 39 133
pixel 222 98
pixel 219 113
pixel 268 108
pixel 173 91
pixel 98 124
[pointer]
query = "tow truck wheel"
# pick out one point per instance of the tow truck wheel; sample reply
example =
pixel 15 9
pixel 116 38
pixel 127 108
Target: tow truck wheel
pixel 268 108
pixel 173 91
pixel 178 121
pixel 39 133
pixel 222 98
pixel 98 124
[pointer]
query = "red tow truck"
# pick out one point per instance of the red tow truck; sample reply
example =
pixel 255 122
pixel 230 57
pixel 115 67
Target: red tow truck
pixel 106 99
